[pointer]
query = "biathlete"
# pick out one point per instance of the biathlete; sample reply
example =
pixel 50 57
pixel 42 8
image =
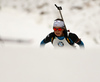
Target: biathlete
pixel 61 37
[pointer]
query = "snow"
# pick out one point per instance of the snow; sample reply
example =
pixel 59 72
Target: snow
pixel 43 65
pixel 27 62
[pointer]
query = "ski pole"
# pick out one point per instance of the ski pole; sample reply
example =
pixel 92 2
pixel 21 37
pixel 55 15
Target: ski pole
pixel 60 8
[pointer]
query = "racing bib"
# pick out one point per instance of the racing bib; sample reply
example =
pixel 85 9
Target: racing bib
pixel 60 43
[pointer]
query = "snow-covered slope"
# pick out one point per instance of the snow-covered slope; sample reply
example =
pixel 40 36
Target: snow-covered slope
pixel 33 19
pixel 49 65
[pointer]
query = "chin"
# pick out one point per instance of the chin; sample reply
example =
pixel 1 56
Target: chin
pixel 58 35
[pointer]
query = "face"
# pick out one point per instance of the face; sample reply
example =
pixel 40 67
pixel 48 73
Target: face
pixel 58 31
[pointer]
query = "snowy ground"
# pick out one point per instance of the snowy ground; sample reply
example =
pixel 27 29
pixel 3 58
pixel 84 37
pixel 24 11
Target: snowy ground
pixel 49 65
pixel 27 62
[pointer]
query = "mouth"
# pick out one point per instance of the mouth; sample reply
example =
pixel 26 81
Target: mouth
pixel 57 33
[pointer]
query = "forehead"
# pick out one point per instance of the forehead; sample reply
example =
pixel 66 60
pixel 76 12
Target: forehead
pixel 57 27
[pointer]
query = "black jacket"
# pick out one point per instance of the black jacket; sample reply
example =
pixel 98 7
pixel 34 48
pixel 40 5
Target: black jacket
pixel 71 38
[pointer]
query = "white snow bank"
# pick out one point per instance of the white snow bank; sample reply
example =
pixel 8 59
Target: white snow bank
pixel 49 65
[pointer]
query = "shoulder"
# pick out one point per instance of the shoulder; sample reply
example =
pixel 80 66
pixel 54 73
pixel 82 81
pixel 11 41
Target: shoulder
pixel 70 34
pixel 51 34
pixel 73 37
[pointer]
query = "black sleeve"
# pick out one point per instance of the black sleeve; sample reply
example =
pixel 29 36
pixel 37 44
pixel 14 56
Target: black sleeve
pixel 74 37
pixel 48 37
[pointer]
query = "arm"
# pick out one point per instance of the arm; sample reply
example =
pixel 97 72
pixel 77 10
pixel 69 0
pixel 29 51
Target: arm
pixel 75 39
pixel 47 39
pixel 80 43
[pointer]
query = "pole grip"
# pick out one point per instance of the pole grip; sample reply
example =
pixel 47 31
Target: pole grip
pixel 58 7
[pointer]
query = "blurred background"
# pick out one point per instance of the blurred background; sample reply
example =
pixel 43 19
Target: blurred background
pixel 29 21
